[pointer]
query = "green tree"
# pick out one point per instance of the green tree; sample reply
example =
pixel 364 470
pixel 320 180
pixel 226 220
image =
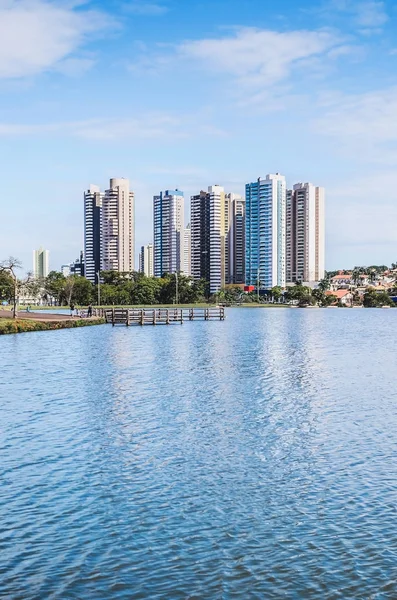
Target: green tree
pixel 54 286
pixel 324 284
pixel 6 286
pixel 373 299
pixel 297 292
pixel 20 286
pixel 82 290
pixel 147 290
pixel 307 300
pixel 277 292
pixel 328 299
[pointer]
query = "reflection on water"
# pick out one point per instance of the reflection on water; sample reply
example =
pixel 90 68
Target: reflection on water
pixel 254 458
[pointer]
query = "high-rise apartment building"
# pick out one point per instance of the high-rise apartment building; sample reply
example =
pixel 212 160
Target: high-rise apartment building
pixel 41 260
pixel 187 250
pixel 236 237
pixel 265 232
pixel 92 232
pixel 118 227
pixel 210 237
pixel 168 232
pixel 305 233
pixel 146 265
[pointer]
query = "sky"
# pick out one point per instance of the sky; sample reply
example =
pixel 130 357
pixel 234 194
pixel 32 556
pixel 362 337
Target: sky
pixel 190 93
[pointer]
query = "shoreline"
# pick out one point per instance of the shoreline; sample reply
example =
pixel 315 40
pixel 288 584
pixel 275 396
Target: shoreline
pixel 25 325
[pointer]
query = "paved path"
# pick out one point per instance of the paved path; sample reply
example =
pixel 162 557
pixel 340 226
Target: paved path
pixel 38 316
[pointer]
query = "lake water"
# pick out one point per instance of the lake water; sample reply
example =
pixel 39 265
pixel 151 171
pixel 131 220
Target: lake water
pixel 251 458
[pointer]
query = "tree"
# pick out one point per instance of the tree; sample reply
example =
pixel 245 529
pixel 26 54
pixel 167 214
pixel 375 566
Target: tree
pixel 324 284
pixel 82 291
pixel 277 292
pixel 328 300
pixel 18 286
pixel 297 292
pixel 6 286
pixel 373 299
pixel 54 285
pixel 306 300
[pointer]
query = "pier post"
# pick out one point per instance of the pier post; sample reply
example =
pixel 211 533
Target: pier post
pixel 142 316
pixel 127 319
pixel 113 317
pixel 154 316
pixel 191 314
pixel 168 316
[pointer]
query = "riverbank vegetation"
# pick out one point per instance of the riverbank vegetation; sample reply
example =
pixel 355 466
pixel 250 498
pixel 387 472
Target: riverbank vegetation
pixel 137 290
pixel 25 325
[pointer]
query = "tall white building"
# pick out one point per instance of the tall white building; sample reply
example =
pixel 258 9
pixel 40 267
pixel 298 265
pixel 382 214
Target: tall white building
pixel 168 233
pixel 305 233
pixel 265 232
pixel 41 260
pixel 187 250
pixel 118 227
pixel 93 199
pixel 146 265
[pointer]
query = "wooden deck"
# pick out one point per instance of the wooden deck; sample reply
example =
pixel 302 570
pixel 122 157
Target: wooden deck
pixel 161 316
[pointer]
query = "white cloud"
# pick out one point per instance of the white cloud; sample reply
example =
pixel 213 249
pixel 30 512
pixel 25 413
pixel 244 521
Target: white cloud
pixel 370 117
pixel 146 126
pixel 371 14
pixel 37 35
pixel 259 58
pixel 367 15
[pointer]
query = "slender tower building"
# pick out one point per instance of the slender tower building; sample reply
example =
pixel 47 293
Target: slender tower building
pixel 168 232
pixel 187 250
pixel 92 232
pixel 305 231
pixel 236 239
pixel 210 222
pixel 118 227
pixel 41 260
pixel 146 260
pixel 265 233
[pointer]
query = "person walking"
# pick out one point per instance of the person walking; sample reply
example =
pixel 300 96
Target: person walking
pixel 89 312
pixel 71 309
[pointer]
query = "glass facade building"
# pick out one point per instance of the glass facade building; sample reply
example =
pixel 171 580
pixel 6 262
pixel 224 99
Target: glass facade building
pixel 265 234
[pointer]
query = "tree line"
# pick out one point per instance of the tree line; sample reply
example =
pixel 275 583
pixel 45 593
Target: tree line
pixel 136 289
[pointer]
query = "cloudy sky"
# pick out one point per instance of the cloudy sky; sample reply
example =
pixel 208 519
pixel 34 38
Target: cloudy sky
pixel 189 93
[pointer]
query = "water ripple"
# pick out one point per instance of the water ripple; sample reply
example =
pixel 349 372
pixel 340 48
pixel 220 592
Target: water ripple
pixel 254 458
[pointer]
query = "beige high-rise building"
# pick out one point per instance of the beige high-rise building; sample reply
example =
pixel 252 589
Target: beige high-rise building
pixel 118 227
pixel 41 260
pixel 236 239
pixel 187 250
pixel 146 260
pixel 214 235
pixel 305 233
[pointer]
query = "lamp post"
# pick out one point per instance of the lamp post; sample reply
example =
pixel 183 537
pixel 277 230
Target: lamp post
pixel 257 287
pixel 99 288
pixel 176 288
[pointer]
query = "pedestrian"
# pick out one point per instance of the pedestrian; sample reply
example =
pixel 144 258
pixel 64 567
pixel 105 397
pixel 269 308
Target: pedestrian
pixel 89 312
pixel 71 309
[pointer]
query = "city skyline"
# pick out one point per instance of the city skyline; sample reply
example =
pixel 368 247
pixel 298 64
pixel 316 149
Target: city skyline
pixel 306 89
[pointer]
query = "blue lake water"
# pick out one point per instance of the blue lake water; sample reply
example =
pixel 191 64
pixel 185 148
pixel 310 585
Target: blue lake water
pixel 251 458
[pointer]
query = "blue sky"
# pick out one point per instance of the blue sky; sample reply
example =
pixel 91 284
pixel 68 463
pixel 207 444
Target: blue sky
pixel 189 93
